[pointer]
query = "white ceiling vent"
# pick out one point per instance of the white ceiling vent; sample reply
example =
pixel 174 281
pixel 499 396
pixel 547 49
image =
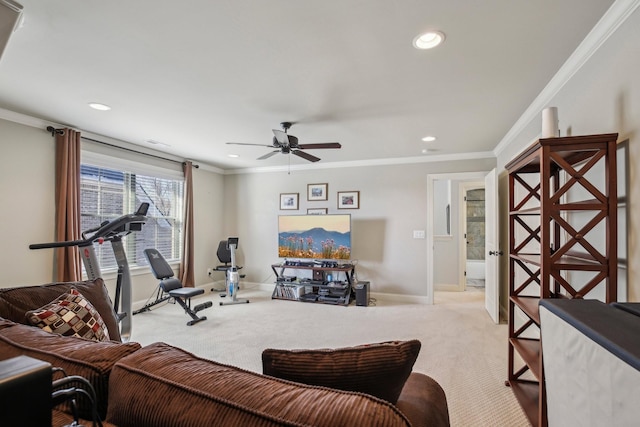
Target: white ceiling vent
pixel 10 13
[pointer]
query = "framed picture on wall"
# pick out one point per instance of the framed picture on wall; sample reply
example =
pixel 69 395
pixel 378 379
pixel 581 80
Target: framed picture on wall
pixel 317 191
pixel 289 201
pixel 317 211
pixel 348 200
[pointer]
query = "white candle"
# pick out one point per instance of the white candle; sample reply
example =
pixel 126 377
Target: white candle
pixel 550 122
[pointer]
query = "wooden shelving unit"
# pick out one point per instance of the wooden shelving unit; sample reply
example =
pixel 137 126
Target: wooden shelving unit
pixel 562 244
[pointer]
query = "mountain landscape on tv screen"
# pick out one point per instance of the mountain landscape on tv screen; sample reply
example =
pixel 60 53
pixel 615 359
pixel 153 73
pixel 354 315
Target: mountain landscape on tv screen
pixel 315 243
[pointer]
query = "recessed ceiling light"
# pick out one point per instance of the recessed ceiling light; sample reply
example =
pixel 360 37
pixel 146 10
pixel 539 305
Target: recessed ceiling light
pixel 98 106
pixel 233 155
pixel 428 40
pixel 429 138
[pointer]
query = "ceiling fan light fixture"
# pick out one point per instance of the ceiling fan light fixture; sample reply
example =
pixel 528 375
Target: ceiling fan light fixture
pixel 428 40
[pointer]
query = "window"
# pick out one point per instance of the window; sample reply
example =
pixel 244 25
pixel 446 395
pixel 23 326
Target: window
pixel 106 194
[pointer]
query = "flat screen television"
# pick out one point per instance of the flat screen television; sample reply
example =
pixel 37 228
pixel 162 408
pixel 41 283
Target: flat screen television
pixel 314 236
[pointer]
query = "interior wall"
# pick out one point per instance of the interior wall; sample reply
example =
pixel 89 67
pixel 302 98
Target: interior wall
pixel 602 97
pixel 27 216
pixel 392 206
pixel 29 159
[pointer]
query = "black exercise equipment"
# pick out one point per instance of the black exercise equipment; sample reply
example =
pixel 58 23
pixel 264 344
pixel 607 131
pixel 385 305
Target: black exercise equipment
pixel 171 287
pixel 112 231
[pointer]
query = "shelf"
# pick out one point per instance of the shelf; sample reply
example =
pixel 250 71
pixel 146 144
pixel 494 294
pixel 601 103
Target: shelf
pixel 526 393
pixel 571 261
pixel 582 205
pixel 340 267
pixel 573 149
pixel 529 305
pixel 551 183
pixel 529 350
pixel 533 259
pixel 527 211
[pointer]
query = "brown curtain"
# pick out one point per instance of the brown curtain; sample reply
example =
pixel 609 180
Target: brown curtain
pixel 67 260
pixel 186 264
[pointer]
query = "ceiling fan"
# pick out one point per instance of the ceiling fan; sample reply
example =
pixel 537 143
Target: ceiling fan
pixel 285 144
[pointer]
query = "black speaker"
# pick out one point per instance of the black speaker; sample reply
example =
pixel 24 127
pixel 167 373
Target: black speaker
pixel 362 293
pixel 25 391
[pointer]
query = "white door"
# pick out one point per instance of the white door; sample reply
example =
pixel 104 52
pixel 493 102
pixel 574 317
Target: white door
pixel 491 293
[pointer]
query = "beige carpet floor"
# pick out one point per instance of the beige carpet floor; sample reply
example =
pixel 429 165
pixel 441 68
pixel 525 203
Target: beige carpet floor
pixel 461 348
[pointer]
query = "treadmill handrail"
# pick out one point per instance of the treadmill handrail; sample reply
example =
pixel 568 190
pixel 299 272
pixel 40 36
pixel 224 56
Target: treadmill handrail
pixel 119 226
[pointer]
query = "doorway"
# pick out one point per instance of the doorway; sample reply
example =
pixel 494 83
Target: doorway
pixel 485 180
pixel 472 254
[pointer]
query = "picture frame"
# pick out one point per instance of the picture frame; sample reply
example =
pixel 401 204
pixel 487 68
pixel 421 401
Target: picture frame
pixel 348 200
pixel 317 211
pixel 317 192
pixel 289 201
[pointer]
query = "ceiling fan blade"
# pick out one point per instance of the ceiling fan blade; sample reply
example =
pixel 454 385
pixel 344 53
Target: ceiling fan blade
pixel 305 156
pixel 266 156
pixel 281 136
pixel 255 145
pixel 320 145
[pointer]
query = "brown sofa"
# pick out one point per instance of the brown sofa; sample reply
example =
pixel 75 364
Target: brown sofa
pixel 161 385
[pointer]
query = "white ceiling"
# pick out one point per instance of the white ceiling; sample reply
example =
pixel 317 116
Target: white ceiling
pixel 196 74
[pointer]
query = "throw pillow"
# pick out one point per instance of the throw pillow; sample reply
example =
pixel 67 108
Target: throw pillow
pixel 379 369
pixel 71 314
pixel 15 302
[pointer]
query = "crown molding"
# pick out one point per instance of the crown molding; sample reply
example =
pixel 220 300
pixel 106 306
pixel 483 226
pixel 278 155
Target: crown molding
pixel 26 120
pixel 366 163
pixel 606 26
pixel 35 122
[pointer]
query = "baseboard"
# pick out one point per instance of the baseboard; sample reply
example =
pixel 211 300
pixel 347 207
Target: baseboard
pixel 268 287
pixel 382 296
pixel 448 287
pixel 410 299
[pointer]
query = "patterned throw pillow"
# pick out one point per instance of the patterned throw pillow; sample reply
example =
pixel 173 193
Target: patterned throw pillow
pixel 71 314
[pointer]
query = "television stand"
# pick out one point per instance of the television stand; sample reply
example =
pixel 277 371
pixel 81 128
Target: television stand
pixel 318 288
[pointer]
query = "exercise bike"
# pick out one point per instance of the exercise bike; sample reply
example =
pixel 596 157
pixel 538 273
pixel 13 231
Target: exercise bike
pixel 233 276
pixel 112 231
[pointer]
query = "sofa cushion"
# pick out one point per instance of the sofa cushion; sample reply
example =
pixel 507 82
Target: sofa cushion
pixel 164 385
pixel 92 360
pixel 379 369
pixel 15 302
pixel 70 315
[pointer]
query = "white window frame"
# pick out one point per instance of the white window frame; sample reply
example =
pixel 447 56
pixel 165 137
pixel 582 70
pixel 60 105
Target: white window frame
pixel 133 166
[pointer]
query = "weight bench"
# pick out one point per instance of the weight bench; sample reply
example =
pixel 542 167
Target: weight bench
pixel 170 287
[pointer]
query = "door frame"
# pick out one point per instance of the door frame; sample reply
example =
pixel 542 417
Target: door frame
pixel 457 176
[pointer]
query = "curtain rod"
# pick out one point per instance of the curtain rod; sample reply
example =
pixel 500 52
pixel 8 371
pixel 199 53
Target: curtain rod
pixel 55 131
